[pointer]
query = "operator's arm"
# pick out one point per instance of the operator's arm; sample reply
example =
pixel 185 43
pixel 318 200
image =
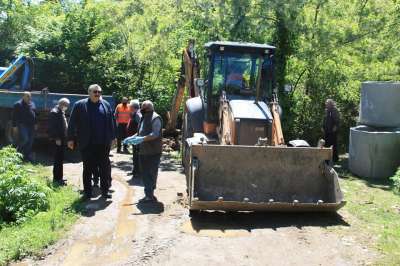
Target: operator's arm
pixel 155 133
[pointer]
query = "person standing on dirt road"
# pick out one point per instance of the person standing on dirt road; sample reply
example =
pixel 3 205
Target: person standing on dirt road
pixel 149 139
pixel 132 129
pixel 58 134
pixel 92 124
pixel 24 124
pixel 331 126
pixel 122 114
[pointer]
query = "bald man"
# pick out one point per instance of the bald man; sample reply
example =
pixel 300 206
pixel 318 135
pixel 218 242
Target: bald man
pixel 24 120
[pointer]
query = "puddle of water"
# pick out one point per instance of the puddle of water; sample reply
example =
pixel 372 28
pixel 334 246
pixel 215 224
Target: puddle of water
pixel 111 247
pixel 126 226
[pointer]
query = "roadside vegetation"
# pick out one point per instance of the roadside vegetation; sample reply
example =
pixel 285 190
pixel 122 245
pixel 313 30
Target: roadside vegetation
pixel 33 213
pixel 374 208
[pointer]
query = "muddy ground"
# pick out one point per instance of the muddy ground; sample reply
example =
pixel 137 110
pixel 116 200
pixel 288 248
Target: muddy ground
pixel 120 231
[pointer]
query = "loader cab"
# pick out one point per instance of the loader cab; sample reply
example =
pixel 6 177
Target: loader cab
pixel 234 70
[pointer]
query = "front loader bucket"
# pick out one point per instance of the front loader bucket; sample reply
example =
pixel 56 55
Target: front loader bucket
pixel 252 178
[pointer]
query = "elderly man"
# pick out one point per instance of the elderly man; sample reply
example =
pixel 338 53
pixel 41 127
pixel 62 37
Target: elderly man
pixel 23 121
pixel 149 139
pixel 122 114
pixel 58 134
pixel 92 124
pixel 331 126
pixel 132 129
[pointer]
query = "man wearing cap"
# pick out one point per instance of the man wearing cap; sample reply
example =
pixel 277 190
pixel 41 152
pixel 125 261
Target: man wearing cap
pixel 132 129
pixel 149 139
pixel 58 134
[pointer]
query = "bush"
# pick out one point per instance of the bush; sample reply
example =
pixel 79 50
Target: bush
pixel 396 181
pixel 20 196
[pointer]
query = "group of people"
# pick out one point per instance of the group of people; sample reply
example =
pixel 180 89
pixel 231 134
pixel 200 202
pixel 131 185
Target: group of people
pixel 92 128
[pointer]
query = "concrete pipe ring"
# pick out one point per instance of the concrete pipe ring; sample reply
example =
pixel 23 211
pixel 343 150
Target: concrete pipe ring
pixel 380 104
pixel 374 153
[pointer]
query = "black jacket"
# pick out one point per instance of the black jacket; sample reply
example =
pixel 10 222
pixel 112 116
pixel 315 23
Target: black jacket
pixel 79 124
pixel 23 114
pixel 57 125
pixel 331 120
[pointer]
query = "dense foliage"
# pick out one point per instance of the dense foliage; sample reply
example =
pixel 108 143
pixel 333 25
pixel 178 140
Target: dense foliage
pixel 20 196
pixel 133 47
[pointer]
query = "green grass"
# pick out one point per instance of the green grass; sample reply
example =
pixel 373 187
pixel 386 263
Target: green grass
pixel 375 211
pixel 43 229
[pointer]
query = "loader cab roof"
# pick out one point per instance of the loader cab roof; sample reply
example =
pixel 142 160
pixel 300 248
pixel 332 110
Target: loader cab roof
pixel 239 47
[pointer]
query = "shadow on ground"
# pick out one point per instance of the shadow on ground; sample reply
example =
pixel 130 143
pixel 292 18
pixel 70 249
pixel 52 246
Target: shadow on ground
pixel 124 165
pixel 343 171
pixel 88 208
pixel 150 208
pixel 255 220
pixel 170 163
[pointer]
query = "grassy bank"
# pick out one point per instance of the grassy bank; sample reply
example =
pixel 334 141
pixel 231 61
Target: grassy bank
pixel 375 214
pixel 29 237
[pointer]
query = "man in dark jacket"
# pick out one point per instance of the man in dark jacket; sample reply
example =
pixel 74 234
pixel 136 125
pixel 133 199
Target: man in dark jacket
pixel 149 139
pixel 24 120
pixel 58 134
pixel 331 126
pixel 132 129
pixel 92 124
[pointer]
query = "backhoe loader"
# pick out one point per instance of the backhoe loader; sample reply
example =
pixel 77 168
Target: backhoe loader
pixel 233 150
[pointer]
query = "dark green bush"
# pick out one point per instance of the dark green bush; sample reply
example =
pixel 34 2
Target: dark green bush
pixel 20 196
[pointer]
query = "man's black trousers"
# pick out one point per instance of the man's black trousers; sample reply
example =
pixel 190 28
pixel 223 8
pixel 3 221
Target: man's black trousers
pixel 149 171
pixel 121 135
pixel 93 156
pixel 331 140
pixel 58 162
pixel 135 160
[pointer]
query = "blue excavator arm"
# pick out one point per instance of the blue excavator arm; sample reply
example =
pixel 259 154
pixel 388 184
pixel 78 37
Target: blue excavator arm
pixel 18 75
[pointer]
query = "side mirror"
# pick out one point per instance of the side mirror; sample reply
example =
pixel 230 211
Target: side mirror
pixel 288 88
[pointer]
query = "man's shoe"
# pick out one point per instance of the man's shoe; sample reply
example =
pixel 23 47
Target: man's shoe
pixel 105 195
pixel 86 196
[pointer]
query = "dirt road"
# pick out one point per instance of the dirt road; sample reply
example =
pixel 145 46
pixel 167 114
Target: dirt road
pixel 120 231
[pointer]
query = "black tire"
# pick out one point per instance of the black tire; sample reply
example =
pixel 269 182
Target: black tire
pixel 194 213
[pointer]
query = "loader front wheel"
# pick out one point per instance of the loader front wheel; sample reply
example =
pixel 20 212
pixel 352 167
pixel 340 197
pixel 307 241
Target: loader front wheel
pixel 194 213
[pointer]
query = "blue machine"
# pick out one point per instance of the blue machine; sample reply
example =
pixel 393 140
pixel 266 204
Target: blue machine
pixel 14 80
pixel 18 75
